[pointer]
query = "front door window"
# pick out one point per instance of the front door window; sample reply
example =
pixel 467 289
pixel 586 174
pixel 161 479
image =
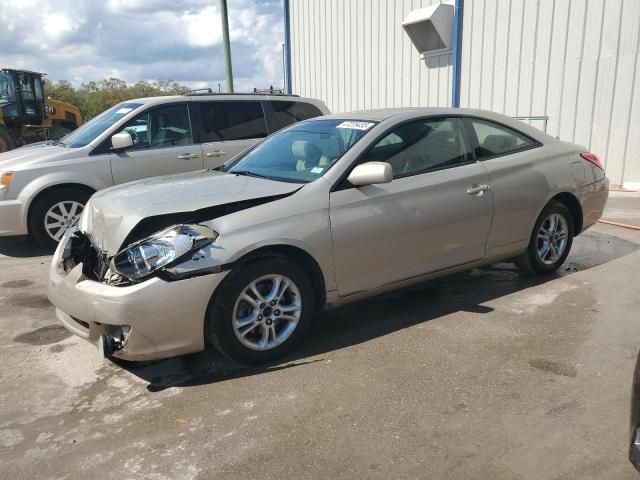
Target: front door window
pixel 423 146
pixel 161 127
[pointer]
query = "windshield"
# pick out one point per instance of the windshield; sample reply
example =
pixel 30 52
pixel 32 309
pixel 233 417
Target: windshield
pixel 89 131
pixel 301 153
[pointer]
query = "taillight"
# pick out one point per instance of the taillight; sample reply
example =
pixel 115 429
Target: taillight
pixel 592 158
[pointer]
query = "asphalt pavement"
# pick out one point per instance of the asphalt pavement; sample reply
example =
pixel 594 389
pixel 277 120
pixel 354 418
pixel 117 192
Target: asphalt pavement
pixel 482 375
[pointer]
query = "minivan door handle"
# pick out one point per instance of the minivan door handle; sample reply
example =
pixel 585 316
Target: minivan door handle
pixel 216 153
pixel 477 189
pixel 187 156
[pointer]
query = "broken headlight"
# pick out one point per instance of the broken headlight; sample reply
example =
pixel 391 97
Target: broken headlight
pixel 162 249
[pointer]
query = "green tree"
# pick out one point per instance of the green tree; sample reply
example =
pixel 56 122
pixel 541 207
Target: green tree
pixel 94 97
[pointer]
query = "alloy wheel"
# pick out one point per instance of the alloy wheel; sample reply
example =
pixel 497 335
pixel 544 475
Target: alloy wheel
pixel 267 312
pixel 61 217
pixel 553 237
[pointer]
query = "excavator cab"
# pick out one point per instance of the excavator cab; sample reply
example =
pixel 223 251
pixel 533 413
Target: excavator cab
pixel 26 116
pixel 21 98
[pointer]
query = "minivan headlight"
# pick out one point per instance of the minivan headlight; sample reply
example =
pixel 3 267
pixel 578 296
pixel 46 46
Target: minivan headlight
pixel 164 248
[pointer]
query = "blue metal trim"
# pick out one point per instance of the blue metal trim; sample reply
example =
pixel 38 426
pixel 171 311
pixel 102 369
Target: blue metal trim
pixel 287 48
pixel 457 52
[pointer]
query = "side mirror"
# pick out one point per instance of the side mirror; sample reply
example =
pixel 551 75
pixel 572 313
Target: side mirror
pixel 370 173
pixel 121 140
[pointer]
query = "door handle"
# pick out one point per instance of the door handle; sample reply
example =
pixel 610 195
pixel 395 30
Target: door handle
pixel 187 156
pixel 217 153
pixel 478 189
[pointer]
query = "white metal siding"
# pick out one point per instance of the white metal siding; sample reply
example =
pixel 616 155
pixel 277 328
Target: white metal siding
pixel 573 60
pixel 354 54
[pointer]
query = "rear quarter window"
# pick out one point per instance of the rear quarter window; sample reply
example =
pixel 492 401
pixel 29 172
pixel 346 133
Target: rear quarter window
pixel 496 140
pixel 288 113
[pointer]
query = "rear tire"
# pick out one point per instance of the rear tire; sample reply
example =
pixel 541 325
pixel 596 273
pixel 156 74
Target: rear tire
pixel 550 241
pixel 53 213
pixel 236 327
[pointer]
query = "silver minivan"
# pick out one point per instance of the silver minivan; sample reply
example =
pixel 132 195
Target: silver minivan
pixel 44 187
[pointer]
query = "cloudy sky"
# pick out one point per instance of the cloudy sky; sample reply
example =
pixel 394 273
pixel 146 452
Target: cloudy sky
pixel 82 40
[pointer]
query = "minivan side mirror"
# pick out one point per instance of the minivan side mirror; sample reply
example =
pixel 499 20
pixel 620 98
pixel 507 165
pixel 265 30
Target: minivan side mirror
pixel 370 173
pixel 121 140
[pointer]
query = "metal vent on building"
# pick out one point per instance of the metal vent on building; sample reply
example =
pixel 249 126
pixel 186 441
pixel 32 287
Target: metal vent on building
pixel 430 29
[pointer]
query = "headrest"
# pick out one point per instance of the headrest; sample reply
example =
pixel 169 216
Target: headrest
pixel 334 147
pixel 499 143
pixel 442 135
pixel 304 150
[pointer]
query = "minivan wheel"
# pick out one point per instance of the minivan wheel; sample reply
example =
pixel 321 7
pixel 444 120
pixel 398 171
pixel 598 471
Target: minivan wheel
pixel 550 241
pixel 54 213
pixel 262 311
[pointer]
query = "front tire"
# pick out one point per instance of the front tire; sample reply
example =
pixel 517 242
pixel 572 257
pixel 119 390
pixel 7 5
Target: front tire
pixel 550 241
pixel 54 213
pixel 261 312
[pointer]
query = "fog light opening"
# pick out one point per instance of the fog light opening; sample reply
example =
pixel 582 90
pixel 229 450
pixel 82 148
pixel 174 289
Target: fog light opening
pixel 109 344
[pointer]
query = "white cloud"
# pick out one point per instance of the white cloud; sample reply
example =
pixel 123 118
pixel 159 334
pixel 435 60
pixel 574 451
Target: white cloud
pixel 57 26
pixel 83 40
pixel 200 27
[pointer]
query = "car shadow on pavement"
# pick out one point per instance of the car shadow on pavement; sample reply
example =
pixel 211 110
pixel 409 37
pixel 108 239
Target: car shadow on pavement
pixel 365 320
pixel 21 247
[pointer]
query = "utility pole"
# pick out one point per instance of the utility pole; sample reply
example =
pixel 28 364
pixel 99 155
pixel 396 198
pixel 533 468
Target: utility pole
pixel 227 45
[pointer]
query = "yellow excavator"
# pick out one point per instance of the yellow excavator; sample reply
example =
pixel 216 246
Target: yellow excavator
pixel 26 115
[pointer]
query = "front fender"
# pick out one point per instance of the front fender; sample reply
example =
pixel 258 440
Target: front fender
pixel 31 182
pixel 28 182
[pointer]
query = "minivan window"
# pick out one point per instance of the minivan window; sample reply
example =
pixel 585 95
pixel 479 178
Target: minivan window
pixel 235 120
pixel 288 113
pixel 88 132
pixel 161 127
pixel 494 139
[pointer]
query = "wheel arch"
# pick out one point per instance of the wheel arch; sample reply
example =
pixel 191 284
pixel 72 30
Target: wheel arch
pixel 52 188
pixel 573 204
pixel 294 254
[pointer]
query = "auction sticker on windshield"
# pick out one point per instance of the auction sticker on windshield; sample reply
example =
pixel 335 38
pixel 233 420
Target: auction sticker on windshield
pixel 356 125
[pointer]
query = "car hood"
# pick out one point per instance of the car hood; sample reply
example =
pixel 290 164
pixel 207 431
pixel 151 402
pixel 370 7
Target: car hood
pixel 111 214
pixel 34 154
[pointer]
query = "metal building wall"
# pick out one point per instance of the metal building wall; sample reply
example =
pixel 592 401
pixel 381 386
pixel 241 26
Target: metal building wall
pixel 573 60
pixel 354 54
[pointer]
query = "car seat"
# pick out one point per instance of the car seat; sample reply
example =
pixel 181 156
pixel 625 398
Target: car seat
pixel 306 154
pixel 495 144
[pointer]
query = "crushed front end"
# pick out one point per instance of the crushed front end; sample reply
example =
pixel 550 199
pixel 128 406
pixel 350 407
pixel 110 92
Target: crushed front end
pixel 80 250
pixel 134 320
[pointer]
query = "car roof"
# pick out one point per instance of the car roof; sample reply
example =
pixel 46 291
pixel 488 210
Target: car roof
pixel 218 97
pixel 385 113
pixel 380 114
pixel 407 113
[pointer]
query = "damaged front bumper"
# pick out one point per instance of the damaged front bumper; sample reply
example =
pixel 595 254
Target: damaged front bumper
pixel 143 321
